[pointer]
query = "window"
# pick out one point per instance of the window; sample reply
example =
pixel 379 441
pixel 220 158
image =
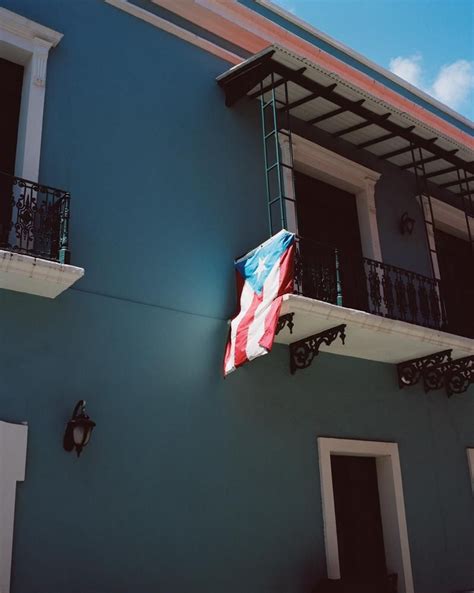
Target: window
pixel 13 439
pixel 375 468
pixel 332 169
pixel 24 45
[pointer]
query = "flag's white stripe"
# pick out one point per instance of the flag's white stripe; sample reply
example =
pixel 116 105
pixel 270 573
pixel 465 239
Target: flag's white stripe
pixel 246 299
pixel 257 327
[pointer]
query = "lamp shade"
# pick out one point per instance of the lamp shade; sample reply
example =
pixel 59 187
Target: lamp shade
pixel 78 430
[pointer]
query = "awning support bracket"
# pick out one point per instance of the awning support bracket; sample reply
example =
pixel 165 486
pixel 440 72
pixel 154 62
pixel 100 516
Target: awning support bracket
pixel 411 371
pixel 455 376
pixel 303 352
pixel 285 320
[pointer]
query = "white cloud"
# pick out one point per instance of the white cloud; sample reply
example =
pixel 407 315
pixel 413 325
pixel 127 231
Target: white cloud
pixel 407 68
pixel 452 84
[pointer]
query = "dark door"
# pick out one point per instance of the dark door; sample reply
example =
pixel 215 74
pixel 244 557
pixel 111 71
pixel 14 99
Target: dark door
pixel 456 265
pixel 327 220
pixel 11 76
pixel 358 520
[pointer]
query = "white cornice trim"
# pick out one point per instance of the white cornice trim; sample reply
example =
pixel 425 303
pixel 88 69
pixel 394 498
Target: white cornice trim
pixel 173 29
pixel 30 30
pixel 23 273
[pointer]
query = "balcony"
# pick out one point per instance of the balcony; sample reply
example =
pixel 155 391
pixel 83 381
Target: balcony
pixel 34 238
pixel 391 314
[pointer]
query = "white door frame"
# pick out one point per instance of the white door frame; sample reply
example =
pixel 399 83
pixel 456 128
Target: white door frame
pixel 392 505
pixel 13 438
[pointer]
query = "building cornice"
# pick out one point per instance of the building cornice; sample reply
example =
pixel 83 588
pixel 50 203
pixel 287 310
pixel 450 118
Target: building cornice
pixel 252 32
pixel 351 53
pixel 30 30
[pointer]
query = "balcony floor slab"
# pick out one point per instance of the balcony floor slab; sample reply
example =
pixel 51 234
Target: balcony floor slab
pixel 368 336
pixel 24 273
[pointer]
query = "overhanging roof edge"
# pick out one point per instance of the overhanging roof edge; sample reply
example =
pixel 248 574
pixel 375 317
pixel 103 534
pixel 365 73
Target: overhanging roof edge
pixel 265 54
pixel 363 60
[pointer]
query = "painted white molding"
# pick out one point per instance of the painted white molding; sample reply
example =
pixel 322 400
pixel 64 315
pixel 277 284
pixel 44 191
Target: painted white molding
pixel 450 219
pixel 13 438
pixel 470 461
pixel 328 166
pixel 392 504
pixel 173 29
pixel 41 277
pixel 288 183
pixel 28 43
pixel 369 336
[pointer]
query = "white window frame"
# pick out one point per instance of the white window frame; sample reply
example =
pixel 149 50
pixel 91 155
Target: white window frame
pixel 314 160
pixel 13 438
pixel 392 505
pixel 470 462
pixel 446 218
pixel 28 43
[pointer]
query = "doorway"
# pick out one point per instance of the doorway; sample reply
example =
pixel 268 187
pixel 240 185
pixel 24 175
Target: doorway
pixel 358 519
pixel 391 508
pixel 456 266
pixel 11 76
pixel 330 243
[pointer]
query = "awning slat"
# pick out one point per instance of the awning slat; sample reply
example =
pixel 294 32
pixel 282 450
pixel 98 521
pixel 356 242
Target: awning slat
pixel 314 101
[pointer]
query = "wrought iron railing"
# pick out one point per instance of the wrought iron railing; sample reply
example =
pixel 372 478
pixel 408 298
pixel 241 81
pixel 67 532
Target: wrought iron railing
pixel 329 274
pixel 34 219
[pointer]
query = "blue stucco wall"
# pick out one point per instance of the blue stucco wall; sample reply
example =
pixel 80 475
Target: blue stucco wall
pixel 190 483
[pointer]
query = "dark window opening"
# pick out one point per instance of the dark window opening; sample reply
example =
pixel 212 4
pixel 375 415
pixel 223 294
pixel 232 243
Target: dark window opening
pixel 330 244
pixel 457 282
pixel 11 76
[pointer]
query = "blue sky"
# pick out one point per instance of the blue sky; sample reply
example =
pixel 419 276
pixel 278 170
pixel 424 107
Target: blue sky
pixel 430 43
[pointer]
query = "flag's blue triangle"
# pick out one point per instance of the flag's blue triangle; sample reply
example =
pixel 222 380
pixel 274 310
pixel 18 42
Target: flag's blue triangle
pixel 256 265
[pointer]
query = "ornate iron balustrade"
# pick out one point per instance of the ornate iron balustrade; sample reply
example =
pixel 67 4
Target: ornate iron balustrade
pixel 328 274
pixel 34 219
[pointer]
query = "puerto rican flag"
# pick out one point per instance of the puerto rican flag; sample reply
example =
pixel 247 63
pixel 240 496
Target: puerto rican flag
pixel 263 276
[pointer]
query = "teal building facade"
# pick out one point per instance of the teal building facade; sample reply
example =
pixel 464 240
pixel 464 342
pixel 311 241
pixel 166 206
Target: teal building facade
pixel 193 482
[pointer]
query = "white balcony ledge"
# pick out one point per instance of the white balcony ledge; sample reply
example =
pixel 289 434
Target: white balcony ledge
pixel 24 273
pixel 368 336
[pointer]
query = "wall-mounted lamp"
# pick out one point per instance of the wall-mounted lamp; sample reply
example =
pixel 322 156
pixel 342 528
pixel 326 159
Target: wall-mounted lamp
pixel 406 224
pixel 78 429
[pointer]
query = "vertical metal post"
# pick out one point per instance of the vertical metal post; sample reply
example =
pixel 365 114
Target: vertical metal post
pixel 271 108
pixel 428 217
pixel 64 253
pixel 338 280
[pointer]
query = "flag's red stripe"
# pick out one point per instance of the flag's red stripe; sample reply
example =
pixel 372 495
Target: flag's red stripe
pixel 243 331
pixel 285 286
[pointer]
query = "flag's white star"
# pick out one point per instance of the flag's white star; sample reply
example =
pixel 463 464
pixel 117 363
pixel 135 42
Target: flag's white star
pixel 261 266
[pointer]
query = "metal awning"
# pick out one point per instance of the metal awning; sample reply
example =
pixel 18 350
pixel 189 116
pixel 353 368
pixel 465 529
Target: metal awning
pixel 323 99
